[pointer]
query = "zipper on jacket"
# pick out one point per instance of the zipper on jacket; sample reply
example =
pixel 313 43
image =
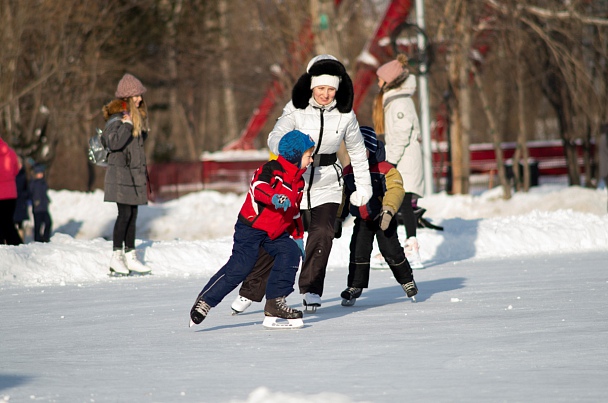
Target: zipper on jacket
pixel 312 169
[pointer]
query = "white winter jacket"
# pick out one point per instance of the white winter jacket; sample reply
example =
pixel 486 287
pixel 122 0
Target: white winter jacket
pixel 336 126
pixel 402 135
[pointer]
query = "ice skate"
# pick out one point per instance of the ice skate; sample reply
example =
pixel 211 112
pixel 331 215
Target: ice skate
pixel 276 309
pixel 311 302
pixel 410 290
pixel 377 262
pixel 118 266
pixel 350 295
pixel 240 304
pixel 199 311
pixel 412 253
pixel 134 265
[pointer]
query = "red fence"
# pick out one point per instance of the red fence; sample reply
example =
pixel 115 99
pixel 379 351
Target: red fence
pixel 171 180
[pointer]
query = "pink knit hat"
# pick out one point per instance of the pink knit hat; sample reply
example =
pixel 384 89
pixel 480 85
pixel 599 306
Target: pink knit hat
pixel 393 69
pixel 129 86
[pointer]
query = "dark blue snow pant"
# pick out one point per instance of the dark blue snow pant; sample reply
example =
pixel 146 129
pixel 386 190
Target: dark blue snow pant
pixel 43 226
pixel 361 245
pixel 247 242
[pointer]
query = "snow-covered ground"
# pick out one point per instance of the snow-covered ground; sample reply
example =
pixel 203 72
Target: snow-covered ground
pixel 512 307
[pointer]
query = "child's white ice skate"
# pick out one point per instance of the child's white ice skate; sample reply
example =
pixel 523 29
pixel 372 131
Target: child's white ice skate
pixel 240 304
pixel 311 302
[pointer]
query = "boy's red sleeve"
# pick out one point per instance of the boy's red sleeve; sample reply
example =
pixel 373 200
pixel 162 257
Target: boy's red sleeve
pixel 263 184
pixel 297 229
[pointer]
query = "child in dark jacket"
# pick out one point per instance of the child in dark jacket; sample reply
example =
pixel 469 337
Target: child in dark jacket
pixel 375 219
pixel 270 214
pixel 40 205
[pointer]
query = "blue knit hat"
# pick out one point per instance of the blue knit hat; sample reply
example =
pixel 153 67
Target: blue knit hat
pixel 39 168
pixel 369 136
pixel 293 145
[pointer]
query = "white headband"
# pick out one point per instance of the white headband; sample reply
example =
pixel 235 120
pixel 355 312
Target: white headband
pixel 325 79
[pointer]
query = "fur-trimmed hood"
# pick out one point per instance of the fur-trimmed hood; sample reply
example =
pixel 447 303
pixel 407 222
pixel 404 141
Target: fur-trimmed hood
pixel 119 106
pixel 301 92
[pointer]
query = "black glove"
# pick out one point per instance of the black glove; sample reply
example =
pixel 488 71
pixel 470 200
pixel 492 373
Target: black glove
pixel 385 217
pixel 338 228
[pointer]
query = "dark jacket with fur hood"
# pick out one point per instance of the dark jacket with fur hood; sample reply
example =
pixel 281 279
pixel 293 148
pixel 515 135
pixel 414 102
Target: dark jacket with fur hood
pixel 126 179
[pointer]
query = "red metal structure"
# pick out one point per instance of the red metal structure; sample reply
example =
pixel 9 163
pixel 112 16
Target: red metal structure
pixel 396 12
pixel 171 180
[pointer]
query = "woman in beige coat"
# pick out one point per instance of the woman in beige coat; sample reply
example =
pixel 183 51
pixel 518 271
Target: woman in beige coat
pixel 395 116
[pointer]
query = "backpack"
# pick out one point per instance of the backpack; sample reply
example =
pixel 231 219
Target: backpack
pixel 98 149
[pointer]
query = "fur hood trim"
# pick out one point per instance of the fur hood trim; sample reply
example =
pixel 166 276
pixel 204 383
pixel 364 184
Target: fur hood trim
pixel 301 93
pixel 119 106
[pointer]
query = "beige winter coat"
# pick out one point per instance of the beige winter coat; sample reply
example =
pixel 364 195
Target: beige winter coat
pixel 402 135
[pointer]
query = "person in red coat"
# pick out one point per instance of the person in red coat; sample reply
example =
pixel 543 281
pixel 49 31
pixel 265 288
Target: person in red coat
pixel 9 168
pixel 269 216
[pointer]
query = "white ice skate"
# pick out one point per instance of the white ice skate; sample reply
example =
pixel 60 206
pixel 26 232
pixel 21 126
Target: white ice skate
pixel 118 266
pixel 134 265
pixel 412 253
pixel 377 262
pixel 240 304
pixel 311 302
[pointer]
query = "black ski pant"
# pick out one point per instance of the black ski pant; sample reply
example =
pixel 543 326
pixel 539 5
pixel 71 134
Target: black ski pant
pixel 124 227
pixel 8 231
pixel 361 245
pixel 407 214
pixel 319 223
pixel 43 225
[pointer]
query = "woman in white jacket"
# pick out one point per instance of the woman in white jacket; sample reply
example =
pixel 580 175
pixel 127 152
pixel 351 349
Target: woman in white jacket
pixel 321 106
pixel 395 116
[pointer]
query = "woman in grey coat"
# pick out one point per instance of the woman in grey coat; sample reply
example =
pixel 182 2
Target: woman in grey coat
pixel 126 179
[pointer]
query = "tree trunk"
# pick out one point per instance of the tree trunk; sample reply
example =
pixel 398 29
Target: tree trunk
pixel 179 125
pixel 230 119
pixel 496 140
pixel 522 136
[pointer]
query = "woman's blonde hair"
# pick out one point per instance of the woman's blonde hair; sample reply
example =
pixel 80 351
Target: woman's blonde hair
pixel 378 113
pixel 139 117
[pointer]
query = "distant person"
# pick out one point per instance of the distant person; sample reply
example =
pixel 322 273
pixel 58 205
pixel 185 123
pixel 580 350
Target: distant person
pixel 395 116
pixel 270 214
pixel 603 154
pixel 375 220
pixel 43 225
pixel 9 168
pixel 321 106
pixel 126 180
pixel 23 198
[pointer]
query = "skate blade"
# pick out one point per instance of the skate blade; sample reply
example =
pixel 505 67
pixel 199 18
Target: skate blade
pixel 270 322
pixel 114 273
pixel 191 323
pixel 349 302
pixel 310 308
pixel 413 298
pixel 140 273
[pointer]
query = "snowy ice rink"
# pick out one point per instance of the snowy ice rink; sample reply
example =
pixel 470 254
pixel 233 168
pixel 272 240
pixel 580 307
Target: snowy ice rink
pixel 512 308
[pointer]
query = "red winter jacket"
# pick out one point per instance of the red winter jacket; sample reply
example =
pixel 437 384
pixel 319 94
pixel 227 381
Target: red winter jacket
pixel 275 177
pixel 9 168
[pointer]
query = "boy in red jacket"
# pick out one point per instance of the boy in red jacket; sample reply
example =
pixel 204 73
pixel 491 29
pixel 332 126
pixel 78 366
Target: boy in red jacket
pixel 270 214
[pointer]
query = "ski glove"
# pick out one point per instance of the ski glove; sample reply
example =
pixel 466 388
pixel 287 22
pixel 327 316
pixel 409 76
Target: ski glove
pixel 300 243
pixel 281 201
pixel 359 198
pixel 385 217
